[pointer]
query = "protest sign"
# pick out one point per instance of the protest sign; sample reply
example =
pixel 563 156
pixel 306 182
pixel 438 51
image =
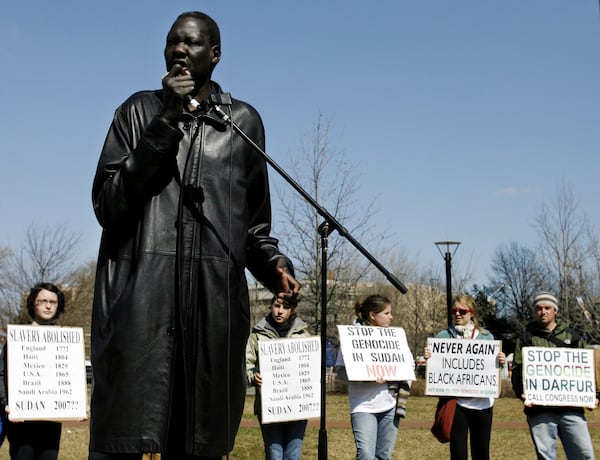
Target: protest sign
pixel 463 368
pixel 370 352
pixel 46 373
pixel 291 379
pixel 559 376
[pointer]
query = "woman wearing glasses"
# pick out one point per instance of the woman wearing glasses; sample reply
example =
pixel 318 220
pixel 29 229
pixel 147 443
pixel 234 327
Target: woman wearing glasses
pixel 34 440
pixel 472 414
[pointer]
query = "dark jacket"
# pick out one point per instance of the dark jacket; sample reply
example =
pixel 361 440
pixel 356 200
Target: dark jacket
pixel 184 212
pixel 537 336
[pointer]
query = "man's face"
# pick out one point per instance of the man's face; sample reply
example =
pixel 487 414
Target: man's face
pixel 545 314
pixel 188 44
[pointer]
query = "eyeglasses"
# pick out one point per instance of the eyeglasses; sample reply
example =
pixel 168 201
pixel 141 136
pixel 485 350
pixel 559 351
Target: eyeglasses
pixel 48 301
pixel 462 311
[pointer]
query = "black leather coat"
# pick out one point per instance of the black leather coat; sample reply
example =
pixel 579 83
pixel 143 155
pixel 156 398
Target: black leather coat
pixel 183 212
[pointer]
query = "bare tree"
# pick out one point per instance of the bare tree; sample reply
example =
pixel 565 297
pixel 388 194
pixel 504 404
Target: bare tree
pixel 79 290
pixel 516 267
pixel 422 311
pixel 568 244
pixel 5 254
pixel 594 281
pixel 324 172
pixel 47 254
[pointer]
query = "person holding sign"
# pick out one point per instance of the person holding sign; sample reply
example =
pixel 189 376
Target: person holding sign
pixel 548 423
pixel 375 407
pixel 34 440
pixel 282 440
pixel 472 414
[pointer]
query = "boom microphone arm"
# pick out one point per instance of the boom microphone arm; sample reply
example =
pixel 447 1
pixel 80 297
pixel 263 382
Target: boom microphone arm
pixel 334 224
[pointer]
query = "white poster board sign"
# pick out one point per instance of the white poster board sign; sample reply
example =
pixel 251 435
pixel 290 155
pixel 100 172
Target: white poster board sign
pixel 466 368
pixel 46 373
pixel 559 376
pixel 370 352
pixel 291 379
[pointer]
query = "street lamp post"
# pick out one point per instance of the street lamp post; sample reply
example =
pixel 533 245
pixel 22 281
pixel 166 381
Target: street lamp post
pixel 447 255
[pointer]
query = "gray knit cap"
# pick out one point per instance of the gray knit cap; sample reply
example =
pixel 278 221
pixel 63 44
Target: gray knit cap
pixel 547 298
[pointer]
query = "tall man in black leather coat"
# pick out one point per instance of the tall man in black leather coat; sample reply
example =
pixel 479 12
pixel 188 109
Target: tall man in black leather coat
pixel 185 208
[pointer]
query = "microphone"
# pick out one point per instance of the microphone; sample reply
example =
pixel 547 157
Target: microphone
pixel 222 115
pixel 217 100
pixel 215 114
pixel 191 101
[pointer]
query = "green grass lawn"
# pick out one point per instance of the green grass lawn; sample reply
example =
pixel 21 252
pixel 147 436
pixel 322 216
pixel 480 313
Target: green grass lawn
pixel 414 441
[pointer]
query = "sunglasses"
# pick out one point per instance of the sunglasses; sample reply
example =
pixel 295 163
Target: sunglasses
pixel 462 311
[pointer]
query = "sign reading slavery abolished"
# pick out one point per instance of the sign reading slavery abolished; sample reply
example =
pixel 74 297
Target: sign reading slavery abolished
pixel 46 373
pixel 291 378
pixel 372 352
pixel 559 376
pixel 463 368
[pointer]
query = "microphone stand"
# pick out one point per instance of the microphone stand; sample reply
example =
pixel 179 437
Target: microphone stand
pixel 324 233
pixel 329 225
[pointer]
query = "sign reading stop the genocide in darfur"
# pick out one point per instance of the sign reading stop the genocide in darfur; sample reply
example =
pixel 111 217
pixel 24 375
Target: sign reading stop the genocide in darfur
pixel 371 352
pixel 559 376
pixel 465 368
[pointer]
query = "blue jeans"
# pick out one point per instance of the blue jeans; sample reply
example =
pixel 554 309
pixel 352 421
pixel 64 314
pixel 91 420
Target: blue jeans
pixel 283 441
pixel 571 427
pixel 374 434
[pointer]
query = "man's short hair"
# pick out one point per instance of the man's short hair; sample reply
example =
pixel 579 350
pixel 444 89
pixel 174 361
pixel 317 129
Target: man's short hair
pixel 211 26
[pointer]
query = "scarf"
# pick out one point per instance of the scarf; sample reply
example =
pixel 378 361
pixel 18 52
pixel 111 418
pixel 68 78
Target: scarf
pixel 465 332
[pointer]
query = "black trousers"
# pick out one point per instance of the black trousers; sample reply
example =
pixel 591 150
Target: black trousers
pixel 33 440
pixel 477 424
